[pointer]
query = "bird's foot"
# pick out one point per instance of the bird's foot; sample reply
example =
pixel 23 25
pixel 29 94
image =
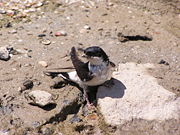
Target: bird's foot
pixel 109 83
pixel 90 106
pixel 88 109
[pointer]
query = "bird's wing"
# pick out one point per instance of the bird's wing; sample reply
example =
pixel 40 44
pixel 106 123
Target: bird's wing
pixel 80 67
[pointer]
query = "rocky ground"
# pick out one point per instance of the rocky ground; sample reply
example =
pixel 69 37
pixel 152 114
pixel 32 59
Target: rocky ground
pixel 141 37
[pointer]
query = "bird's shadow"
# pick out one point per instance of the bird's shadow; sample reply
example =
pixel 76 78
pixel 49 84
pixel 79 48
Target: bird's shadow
pixel 116 90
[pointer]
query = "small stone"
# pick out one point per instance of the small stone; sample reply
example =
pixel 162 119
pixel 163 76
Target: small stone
pixel 41 35
pixel 82 31
pixel 12 31
pixel 58 82
pixel 8 25
pixel 110 4
pixel 87 27
pixel 68 18
pixel 43 63
pixel 46 42
pixel 75 119
pixel 4 53
pixel 10 12
pixel 46 131
pixel 2 11
pixel 163 62
pixel 92 116
pixel 105 14
pixel 60 33
pixel 28 84
pixel 40 98
pixel 39 4
pixel 18 51
pixel 36 124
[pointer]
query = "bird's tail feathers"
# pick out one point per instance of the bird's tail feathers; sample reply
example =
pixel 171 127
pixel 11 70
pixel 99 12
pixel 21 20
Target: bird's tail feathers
pixel 64 75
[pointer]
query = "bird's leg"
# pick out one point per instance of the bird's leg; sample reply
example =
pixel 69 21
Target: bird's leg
pixel 85 96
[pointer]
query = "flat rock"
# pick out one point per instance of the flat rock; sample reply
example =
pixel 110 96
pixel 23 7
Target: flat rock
pixel 40 98
pixel 136 95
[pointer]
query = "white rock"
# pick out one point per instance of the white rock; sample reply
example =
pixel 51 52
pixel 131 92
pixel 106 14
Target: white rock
pixel 43 63
pixel 4 53
pixel 46 42
pixel 136 94
pixel 61 33
pixel 87 27
pixel 13 31
pixel 40 98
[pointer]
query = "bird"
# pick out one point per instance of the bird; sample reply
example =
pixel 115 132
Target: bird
pixel 95 72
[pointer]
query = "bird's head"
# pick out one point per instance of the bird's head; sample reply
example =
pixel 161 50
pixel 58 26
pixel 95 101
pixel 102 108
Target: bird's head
pixel 95 55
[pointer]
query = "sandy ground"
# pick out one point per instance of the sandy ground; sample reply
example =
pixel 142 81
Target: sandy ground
pixel 104 22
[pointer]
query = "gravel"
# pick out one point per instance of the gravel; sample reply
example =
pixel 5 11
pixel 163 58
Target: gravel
pixel 19 8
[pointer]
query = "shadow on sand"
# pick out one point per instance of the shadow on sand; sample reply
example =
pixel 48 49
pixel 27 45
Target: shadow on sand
pixel 117 90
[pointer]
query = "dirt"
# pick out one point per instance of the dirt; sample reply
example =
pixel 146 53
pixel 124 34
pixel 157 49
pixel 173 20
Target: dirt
pixel 105 22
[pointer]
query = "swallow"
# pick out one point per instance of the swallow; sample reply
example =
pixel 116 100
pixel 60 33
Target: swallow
pixel 96 71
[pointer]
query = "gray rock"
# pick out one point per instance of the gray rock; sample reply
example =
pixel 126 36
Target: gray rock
pixel 136 95
pixel 4 53
pixel 75 119
pixel 27 84
pixel 46 131
pixel 40 98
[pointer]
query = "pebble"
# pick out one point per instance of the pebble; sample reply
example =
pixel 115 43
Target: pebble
pixel 8 25
pixel 163 62
pixel 35 124
pixel 40 98
pixel 75 119
pixel 46 42
pixel 87 27
pixel 57 82
pixel 28 84
pixel 60 33
pixel 2 11
pixel 12 31
pixel 43 63
pixel 92 117
pixel 4 53
pixel 46 131
pixel 10 12
pixel 41 35
pixel 82 31
pixel 16 8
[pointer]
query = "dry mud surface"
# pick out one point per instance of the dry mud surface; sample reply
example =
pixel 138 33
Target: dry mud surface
pixel 126 31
